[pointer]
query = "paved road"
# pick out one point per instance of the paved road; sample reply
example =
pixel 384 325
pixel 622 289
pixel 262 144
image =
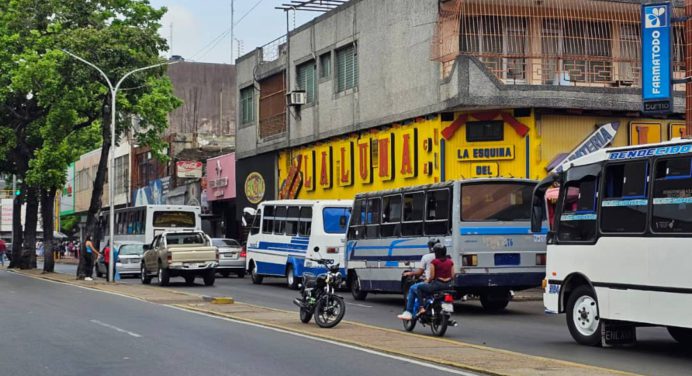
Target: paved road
pixel 52 329
pixel 522 328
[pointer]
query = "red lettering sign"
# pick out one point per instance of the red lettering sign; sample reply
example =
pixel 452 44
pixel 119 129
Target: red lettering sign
pixel 406 168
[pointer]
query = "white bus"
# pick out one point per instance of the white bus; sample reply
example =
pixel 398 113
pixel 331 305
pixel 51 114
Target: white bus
pixel 286 233
pixel 483 222
pixel 619 250
pixel 143 223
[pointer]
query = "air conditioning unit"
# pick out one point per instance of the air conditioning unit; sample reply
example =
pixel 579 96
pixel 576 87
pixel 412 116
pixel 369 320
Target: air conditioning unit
pixel 297 98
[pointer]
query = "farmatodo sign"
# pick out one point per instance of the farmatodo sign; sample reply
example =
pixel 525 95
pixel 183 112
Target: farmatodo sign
pixel 657 87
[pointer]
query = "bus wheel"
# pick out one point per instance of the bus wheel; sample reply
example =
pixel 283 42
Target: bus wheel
pixel 493 302
pixel 682 335
pixel 356 291
pixel 583 319
pixel 291 279
pixel 256 278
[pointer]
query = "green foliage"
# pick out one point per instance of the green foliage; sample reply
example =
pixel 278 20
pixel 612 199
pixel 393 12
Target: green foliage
pixel 68 223
pixel 55 107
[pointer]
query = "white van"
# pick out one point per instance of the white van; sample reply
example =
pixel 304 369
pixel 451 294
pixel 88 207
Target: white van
pixel 286 233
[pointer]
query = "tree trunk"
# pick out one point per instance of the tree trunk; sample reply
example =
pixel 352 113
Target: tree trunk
pixel 17 232
pixel 28 256
pixel 97 193
pixel 47 206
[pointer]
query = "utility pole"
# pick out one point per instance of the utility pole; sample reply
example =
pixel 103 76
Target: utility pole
pixel 688 67
pixel 232 27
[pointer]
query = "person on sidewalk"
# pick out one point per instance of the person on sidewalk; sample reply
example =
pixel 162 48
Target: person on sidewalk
pixel 106 260
pixel 3 250
pixel 90 254
pixel 413 290
pixel 440 278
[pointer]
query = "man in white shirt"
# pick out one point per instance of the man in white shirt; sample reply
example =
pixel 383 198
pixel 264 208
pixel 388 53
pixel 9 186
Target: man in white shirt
pixel 424 268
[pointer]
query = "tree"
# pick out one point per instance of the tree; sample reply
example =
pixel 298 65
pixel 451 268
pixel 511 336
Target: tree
pixel 47 97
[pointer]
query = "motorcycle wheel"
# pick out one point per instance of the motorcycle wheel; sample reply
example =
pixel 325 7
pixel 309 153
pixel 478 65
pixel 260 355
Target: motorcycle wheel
pixel 409 325
pixel 439 324
pixel 305 315
pixel 329 311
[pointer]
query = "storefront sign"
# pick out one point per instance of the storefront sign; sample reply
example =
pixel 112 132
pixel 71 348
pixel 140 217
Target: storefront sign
pixel 485 170
pixel 599 139
pixel 325 157
pixel 364 156
pixel 254 188
pixel 656 58
pixel 218 183
pixel 495 153
pixel 308 170
pixel 385 155
pixel 407 150
pixel 344 164
pixel 189 169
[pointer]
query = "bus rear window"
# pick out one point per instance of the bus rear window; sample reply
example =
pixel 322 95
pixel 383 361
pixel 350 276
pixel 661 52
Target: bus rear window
pixel 174 219
pixel 496 202
pixel 335 220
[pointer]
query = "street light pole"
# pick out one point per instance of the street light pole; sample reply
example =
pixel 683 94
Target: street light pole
pixel 111 154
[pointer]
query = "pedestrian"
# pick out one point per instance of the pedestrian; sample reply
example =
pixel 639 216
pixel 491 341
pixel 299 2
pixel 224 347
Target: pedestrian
pixel 90 254
pixel 106 261
pixel 3 250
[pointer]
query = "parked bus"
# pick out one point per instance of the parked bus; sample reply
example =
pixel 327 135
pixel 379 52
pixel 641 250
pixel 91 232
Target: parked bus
pixel 619 249
pixel 484 223
pixel 142 223
pixel 286 233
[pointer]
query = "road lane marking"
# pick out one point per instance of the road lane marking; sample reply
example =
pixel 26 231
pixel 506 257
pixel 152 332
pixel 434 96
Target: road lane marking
pixel 97 322
pixel 352 347
pixel 359 305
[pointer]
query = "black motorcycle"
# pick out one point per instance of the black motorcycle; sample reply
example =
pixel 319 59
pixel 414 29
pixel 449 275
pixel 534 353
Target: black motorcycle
pixel 318 296
pixel 438 310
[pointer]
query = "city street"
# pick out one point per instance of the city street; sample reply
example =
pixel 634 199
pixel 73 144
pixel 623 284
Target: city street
pixel 53 329
pixel 522 328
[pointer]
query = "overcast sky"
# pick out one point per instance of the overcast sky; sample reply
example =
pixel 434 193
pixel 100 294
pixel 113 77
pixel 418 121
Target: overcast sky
pixel 197 26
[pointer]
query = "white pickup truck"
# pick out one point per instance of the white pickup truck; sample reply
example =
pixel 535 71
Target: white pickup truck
pixel 187 254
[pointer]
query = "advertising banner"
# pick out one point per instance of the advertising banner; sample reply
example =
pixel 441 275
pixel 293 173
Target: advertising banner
pixel 601 138
pixel 189 169
pixel 67 194
pixel 656 58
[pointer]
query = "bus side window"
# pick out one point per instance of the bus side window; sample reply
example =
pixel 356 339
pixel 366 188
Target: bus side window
pixel 414 206
pixel 292 216
pixel 625 203
pixel 268 221
pixel 374 213
pixel 280 220
pixel 672 196
pixel 391 216
pixel 355 229
pixel 578 217
pixel 305 224
pixel 437 212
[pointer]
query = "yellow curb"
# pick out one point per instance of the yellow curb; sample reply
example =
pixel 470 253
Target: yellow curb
pixel 222 300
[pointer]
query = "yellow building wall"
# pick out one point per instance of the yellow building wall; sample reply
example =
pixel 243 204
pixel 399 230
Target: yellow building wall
pixel 429 161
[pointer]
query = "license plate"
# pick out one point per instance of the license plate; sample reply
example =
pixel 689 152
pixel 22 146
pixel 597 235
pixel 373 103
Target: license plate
pixel 448 307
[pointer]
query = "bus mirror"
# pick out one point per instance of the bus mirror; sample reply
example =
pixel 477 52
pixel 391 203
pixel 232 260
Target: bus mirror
pixel 536 218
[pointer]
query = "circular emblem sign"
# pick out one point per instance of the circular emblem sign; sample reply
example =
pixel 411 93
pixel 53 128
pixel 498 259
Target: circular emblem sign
pixel 254 188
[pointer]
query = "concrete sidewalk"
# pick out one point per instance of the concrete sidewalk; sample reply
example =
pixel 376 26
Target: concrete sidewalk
pixel 484 360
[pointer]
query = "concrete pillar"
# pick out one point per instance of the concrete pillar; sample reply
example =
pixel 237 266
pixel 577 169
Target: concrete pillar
pixel 688 67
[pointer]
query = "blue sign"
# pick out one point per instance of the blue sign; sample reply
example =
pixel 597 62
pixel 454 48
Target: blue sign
pixel 650 152
pixel 656 57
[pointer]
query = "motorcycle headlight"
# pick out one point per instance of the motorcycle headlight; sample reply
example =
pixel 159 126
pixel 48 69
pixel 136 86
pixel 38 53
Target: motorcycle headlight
pixel 337 278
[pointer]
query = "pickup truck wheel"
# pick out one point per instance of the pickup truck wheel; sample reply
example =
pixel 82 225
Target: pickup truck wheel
pixel 164 276
pixel 144 275
pixel 209 278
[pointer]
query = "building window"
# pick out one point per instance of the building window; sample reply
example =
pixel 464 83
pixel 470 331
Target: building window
pixel 247 105
pixel 347 68
pixel 501 43
pixel 630 52
pixel 326 65
pixel 485 131
pixel 672 201
pixel 625 204
pixel 305 78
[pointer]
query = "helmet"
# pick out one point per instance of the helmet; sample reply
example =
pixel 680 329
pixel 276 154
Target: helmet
pixel 440 250
pixel 432 242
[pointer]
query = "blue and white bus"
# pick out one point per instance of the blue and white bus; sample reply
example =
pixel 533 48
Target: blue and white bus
pixel 286 233
pixel 485 224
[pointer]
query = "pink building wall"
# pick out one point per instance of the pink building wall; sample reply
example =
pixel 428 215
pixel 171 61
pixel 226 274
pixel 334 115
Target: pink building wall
pixel 221 177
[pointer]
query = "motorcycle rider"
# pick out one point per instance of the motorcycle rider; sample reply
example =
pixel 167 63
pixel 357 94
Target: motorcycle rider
pixel 425 262
pixel 440 277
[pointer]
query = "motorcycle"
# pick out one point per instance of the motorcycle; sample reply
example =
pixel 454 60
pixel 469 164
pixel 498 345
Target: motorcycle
pixel 438 310
pixel 318 298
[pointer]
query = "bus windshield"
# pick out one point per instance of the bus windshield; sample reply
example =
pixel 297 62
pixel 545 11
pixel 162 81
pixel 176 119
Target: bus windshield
pixel 336 220
pixel 496 202
pixel 174 219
